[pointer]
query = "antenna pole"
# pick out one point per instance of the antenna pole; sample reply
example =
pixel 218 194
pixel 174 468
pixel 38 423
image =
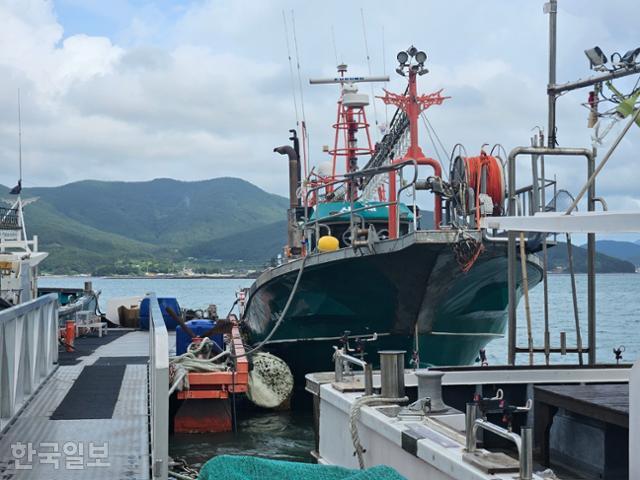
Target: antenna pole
pixel 19 139
pixel 552 9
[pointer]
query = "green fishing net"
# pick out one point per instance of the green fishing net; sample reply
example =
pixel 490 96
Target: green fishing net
pixel 231 467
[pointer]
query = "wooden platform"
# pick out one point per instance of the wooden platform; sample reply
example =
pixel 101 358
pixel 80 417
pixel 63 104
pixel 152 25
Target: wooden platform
pixel 606 403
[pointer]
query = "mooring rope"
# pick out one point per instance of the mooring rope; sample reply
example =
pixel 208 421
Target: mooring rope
pixel 282 314
pixel 354 416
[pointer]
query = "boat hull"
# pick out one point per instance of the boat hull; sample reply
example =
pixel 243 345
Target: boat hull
pixel 406 286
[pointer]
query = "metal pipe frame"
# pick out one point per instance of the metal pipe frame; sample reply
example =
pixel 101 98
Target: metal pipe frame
pixel 524 441
pixel 158 390
pixel 341 358
pixel 29 347
pixel 556 89
pixel 313 226
pixel 511 272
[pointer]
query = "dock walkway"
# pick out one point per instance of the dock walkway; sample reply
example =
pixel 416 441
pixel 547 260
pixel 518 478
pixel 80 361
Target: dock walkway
pixel 90 419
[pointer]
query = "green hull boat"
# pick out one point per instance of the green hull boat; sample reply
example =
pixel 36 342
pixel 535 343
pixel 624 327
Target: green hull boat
pixel 408 285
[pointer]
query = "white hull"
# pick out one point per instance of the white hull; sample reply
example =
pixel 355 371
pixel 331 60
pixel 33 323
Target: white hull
pixel 433 447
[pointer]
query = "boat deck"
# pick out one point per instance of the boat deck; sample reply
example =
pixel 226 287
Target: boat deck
pixel 90 419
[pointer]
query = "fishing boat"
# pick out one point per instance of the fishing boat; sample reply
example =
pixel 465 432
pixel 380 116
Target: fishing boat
pixel 20 257
pixel 364 268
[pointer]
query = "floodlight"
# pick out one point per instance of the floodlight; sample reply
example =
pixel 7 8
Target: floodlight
pixel 403 58
pixel 421 57
pixel 400 71
pixel 596 57
pixel 630 57
pixel 412 51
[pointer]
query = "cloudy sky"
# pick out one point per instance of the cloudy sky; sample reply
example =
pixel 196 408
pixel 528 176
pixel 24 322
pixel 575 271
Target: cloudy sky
pixel 135 89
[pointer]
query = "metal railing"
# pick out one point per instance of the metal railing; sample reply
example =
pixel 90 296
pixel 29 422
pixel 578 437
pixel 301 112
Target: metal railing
pixel 524 441
pixel 158 390
pixel 342 359
pixel 310 227
pixel 28 351
pixel 9 218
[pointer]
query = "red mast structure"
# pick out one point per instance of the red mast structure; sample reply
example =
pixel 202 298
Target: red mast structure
pixel 351 118
pixel 412 62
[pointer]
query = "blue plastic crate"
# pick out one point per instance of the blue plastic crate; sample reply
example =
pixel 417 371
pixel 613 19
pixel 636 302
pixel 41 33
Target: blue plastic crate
pixel 198 327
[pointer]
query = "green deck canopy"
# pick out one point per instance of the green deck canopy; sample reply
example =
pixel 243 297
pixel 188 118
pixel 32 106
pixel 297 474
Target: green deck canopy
pixel 378 212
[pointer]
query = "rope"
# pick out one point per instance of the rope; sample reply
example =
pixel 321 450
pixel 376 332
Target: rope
pixel 495 180
pixel 293 85
pixel 282 314
pixel 525 292
pixel 181 365
pixel 354 416
pixel 366 49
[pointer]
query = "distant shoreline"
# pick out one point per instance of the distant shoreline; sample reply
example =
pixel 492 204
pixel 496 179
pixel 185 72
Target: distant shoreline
pixel 159 277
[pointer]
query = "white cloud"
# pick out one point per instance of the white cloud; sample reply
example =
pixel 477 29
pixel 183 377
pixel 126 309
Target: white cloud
pixel 202 89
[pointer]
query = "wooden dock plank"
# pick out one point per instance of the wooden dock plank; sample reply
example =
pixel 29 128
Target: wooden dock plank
pixel 606 402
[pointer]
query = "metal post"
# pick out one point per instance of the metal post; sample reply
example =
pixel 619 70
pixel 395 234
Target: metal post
pixel 574 296
pixel 469 420
pixel 591 272
pixel 511 266
pixel 526 453
pixel 511 280
pixel 552 9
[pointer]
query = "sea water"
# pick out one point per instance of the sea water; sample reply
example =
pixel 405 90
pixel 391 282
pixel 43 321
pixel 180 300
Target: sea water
pixel 289 435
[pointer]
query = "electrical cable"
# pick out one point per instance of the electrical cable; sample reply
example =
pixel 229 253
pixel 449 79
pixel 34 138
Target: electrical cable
pixel 366 49
pixel 293 84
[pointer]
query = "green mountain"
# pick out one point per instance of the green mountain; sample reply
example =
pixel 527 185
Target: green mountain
pixel 629 251
pixel 558 260
pixel 258 244
pixel 128 227
pixel 165 225
pixel 164 211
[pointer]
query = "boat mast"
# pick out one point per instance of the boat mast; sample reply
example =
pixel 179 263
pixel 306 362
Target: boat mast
pixel 351 118
pixel 552 9
pixel 411 62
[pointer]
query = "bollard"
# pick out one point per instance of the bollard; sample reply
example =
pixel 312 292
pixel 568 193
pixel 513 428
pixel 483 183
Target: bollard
pixel 392 373
pixel 430 385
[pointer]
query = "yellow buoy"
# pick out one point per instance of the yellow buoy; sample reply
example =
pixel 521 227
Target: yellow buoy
pixel 328 243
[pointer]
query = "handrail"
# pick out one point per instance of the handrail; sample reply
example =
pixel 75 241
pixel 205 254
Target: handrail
pixel 313 224
pixel 158 390
pixel 524 441
pixel 341 358
pixel 29 338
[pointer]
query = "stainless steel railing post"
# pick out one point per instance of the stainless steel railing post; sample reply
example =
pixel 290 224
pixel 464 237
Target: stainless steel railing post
pixel 341 358
pixel 526 453
pixel 158 390
pixel 469 420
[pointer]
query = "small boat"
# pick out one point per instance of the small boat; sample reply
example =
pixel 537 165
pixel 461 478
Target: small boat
pixel 364 268
pixel 20 258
